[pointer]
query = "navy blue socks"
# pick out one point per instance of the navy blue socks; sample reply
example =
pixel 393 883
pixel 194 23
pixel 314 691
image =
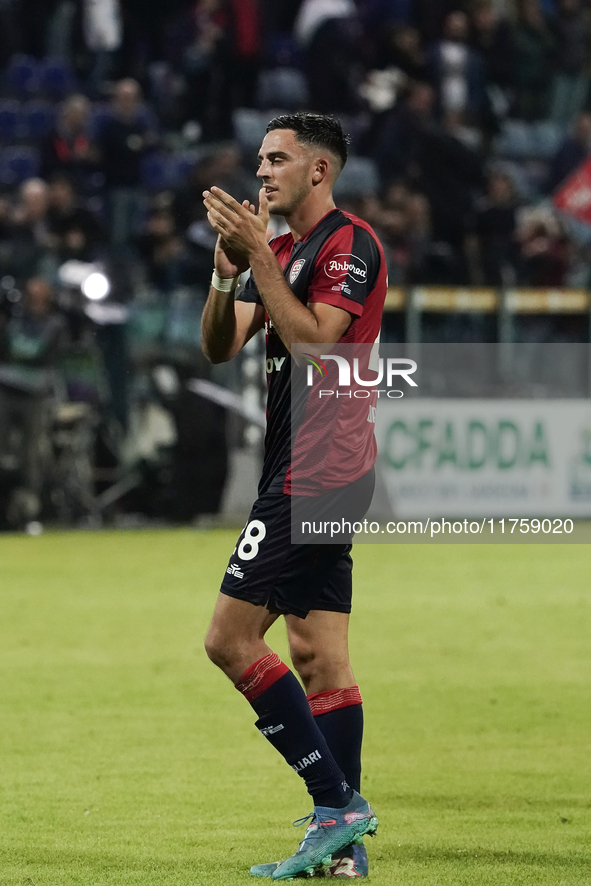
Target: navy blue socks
pixel 339 715
pixel 286 721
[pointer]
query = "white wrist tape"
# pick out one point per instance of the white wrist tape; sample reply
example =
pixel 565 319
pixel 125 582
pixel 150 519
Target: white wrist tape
pixel 224 284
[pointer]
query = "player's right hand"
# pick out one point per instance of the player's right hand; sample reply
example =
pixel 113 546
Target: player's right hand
pixel 229 262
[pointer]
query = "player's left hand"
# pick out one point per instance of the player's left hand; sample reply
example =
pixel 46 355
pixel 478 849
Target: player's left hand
pixel 237 224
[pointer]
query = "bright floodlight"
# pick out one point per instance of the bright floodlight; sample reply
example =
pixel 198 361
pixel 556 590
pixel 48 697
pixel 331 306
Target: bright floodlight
pixel 96 286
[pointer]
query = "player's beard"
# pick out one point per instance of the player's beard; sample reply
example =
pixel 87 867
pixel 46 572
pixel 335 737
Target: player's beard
pixel 289 207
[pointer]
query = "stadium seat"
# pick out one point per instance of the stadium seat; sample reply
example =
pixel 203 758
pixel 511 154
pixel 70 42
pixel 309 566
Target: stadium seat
pixel 18 164
pixel 22 76
pixel 282 88
pixel 56 78
pixel 156 172
pixel 38 119
pixel 9 120
pixel 249 128
pixel 358 178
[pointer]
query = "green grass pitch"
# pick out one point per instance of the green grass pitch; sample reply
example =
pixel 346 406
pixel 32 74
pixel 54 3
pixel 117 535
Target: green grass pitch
pixel 126 758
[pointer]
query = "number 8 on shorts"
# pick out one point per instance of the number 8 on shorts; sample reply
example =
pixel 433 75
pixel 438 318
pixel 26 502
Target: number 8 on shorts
pixel 254 533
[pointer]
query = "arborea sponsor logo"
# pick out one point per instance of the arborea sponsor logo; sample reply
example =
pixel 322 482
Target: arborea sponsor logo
pixel 351 265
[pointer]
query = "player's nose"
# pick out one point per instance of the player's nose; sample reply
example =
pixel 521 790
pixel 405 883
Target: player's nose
pixel 264 169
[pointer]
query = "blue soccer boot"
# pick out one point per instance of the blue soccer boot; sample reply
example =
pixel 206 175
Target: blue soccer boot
pixel 328 833
pixel 347 864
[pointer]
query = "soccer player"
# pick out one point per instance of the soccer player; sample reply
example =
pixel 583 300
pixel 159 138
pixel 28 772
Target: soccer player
pixel 324 282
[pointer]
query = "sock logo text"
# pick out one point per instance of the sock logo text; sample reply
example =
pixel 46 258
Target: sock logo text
pixel 313 757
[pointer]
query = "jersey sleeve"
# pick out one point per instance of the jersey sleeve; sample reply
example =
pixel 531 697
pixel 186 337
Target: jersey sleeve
pixel 250 292
pixel 346 270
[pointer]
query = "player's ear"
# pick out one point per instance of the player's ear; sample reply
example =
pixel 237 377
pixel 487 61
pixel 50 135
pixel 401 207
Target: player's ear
pixel 321 169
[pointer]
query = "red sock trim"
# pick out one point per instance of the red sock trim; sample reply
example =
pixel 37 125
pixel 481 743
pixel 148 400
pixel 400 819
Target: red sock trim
pixel 259 676
pixel 333 699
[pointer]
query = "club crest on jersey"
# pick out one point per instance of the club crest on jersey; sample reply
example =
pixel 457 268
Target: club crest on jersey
pixel 295 269
pixel 351 265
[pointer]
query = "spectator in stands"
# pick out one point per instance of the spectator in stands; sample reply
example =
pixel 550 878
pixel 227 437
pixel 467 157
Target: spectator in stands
pixel 454 123
pixel 388 219
pixel 533 45
pixel 103 34
pixel 146 27
pixel 328 31
pixel 161 248
pixel 544 250
pixel 245 58
pixel 74 232
pixel 401 48
pixel 495 246
pixel 367 207
pixel 27 244
pixel 36 335
pixel 492 37
pixel 457 72
pixel 402 135
pixel 70 148
pixel 573 151
pixel 126 137
pixel 200 47
pixel 222 168
pixel 411 145
pixel 394 235
pixel 396 195
pixel 199 249
pixel 570 80
pixel 432 261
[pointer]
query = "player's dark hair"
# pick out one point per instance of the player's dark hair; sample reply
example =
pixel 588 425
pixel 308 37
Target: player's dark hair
pixel 315 129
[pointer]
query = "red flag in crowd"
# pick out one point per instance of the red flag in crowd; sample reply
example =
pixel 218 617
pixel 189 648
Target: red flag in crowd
pixel 574 196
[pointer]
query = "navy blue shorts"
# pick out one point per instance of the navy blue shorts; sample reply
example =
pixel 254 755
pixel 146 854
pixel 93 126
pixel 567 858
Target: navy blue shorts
pixel 266 569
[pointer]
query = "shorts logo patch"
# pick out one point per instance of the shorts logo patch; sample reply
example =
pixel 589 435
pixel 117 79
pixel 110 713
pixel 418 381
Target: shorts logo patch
pixel 295 269
pixel 235 570
pixel 351 265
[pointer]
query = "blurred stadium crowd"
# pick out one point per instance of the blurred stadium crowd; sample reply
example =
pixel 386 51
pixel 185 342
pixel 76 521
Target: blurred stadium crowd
pixel 465 118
